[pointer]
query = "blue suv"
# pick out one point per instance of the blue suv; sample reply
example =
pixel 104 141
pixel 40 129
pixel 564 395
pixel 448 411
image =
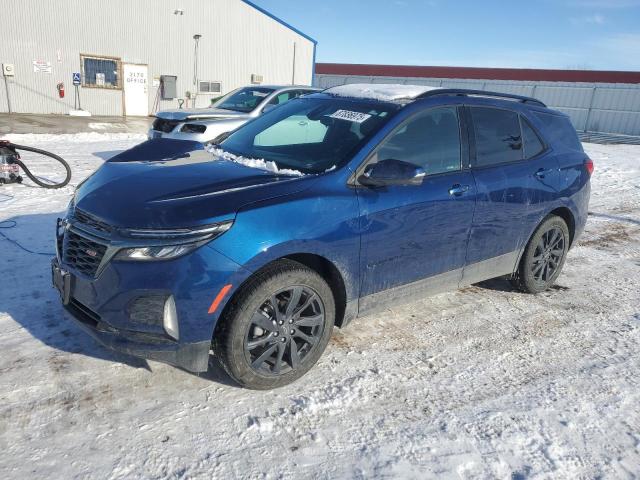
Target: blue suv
pixel 324 209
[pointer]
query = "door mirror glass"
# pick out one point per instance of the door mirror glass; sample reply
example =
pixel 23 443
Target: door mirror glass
pixel 392 172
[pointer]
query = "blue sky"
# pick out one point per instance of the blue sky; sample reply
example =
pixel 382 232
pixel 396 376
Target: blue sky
pixel 582 34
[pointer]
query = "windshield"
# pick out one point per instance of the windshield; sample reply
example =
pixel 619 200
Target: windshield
pixel 243 100
pixel 310 134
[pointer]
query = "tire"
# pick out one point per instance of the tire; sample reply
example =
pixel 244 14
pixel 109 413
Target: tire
pixel 263 348
pixel 543 257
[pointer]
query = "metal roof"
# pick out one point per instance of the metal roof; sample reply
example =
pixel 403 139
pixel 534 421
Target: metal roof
pixel 279 20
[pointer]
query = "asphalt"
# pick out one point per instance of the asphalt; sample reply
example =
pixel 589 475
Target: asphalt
pixel 56 124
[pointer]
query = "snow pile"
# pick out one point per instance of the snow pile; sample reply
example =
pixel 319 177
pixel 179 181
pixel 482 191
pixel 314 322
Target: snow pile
pixel 258 163
pixel 382 92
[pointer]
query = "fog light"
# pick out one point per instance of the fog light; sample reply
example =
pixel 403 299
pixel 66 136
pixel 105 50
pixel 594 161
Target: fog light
pixel 147 310
pixel 170 320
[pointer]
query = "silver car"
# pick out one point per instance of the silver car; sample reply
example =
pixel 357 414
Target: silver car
pixel 226 114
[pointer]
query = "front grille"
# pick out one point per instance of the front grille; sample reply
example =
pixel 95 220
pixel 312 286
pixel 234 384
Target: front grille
pixel 91 221
pixel 82 254
pixel 166 126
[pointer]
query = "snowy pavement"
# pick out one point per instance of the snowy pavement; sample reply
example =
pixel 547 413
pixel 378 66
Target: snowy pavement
pixel 481 383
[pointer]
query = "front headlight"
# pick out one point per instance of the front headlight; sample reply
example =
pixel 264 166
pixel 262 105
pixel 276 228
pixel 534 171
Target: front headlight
pixel 157 253
pixel 187 240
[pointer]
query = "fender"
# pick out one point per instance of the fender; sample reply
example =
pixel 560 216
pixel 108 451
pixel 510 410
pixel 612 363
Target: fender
pixel 326 225
pixel 565 202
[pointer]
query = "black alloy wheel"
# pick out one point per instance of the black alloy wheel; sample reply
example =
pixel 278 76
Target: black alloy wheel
pixel 276 326
pixel 543 257
pixel 548 255
pixel 284 330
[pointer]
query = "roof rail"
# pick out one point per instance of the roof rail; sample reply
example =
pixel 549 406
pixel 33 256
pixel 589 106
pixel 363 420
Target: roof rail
pixel 478 93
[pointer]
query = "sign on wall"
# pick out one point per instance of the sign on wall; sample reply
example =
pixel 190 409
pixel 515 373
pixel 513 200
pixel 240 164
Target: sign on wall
pixel 40 66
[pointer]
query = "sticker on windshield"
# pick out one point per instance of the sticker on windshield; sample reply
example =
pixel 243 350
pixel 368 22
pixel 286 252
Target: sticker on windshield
pixel 356 117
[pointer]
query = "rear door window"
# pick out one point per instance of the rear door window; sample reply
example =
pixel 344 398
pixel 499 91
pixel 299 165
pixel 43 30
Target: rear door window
pixel 497 136
pixel 532 144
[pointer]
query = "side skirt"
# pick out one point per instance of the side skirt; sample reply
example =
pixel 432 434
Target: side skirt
pixel 440 283
pixel 490 268
pixel 444 282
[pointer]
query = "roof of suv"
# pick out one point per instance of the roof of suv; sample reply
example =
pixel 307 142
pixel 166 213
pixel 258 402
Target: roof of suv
pixel 404 93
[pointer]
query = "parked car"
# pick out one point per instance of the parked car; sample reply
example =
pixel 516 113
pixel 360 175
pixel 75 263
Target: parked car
pixel 258 249
pixel 226 114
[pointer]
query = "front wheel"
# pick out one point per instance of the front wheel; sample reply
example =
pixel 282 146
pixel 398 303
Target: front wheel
pixel 277 327
pixel 544 256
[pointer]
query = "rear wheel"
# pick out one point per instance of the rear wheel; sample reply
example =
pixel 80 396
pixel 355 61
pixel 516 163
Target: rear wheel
pixel 544 256
pixel 277 327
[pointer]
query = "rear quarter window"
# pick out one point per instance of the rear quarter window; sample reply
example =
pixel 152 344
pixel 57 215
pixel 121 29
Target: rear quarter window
pixel 533 146
pixel 559 131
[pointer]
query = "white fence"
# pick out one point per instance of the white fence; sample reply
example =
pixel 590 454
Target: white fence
pixel 593 107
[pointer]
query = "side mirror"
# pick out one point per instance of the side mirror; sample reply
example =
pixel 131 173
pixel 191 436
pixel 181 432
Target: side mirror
pixel 392 172
pixel 268 107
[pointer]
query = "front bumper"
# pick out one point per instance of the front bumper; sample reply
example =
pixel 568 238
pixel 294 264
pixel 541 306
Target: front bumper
pixel 190 356
pixel 102 304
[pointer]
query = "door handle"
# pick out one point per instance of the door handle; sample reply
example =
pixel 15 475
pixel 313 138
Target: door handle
pixel 457 189
pixel 542 172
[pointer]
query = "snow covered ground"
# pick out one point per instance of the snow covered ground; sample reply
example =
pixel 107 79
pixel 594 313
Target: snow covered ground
pixel 481 383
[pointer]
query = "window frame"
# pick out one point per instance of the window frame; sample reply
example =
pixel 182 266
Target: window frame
pixel 462 132
pixel 472 138
pixel 119 65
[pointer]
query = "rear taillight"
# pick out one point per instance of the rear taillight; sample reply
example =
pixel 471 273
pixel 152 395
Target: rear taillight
pixel 588 165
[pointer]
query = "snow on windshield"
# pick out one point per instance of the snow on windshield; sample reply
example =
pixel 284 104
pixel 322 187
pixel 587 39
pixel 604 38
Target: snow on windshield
pixel 382 92
pixel 259 163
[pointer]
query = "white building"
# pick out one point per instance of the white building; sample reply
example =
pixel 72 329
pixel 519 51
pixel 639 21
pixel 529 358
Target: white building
pixel 122 49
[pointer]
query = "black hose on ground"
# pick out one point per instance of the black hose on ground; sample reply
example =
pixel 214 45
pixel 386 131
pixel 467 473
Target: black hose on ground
pixel 35 179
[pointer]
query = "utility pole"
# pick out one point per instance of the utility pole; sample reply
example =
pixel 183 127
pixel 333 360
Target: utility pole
pixel 293 74
pixel 196 39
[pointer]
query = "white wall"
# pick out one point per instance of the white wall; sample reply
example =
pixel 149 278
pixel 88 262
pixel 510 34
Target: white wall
pixel 237 40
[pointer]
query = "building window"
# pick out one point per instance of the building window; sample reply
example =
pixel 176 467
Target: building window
pixel 210 87
pixel 101 72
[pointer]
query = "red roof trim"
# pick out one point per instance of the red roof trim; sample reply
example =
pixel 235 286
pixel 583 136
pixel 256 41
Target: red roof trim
pixel 478 73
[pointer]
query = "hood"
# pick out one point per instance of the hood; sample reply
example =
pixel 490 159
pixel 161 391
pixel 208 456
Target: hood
pixel 166 183
pixel 200 113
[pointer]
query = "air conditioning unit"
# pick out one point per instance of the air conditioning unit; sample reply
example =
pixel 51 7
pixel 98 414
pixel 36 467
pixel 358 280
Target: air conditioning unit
pixel 256 79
